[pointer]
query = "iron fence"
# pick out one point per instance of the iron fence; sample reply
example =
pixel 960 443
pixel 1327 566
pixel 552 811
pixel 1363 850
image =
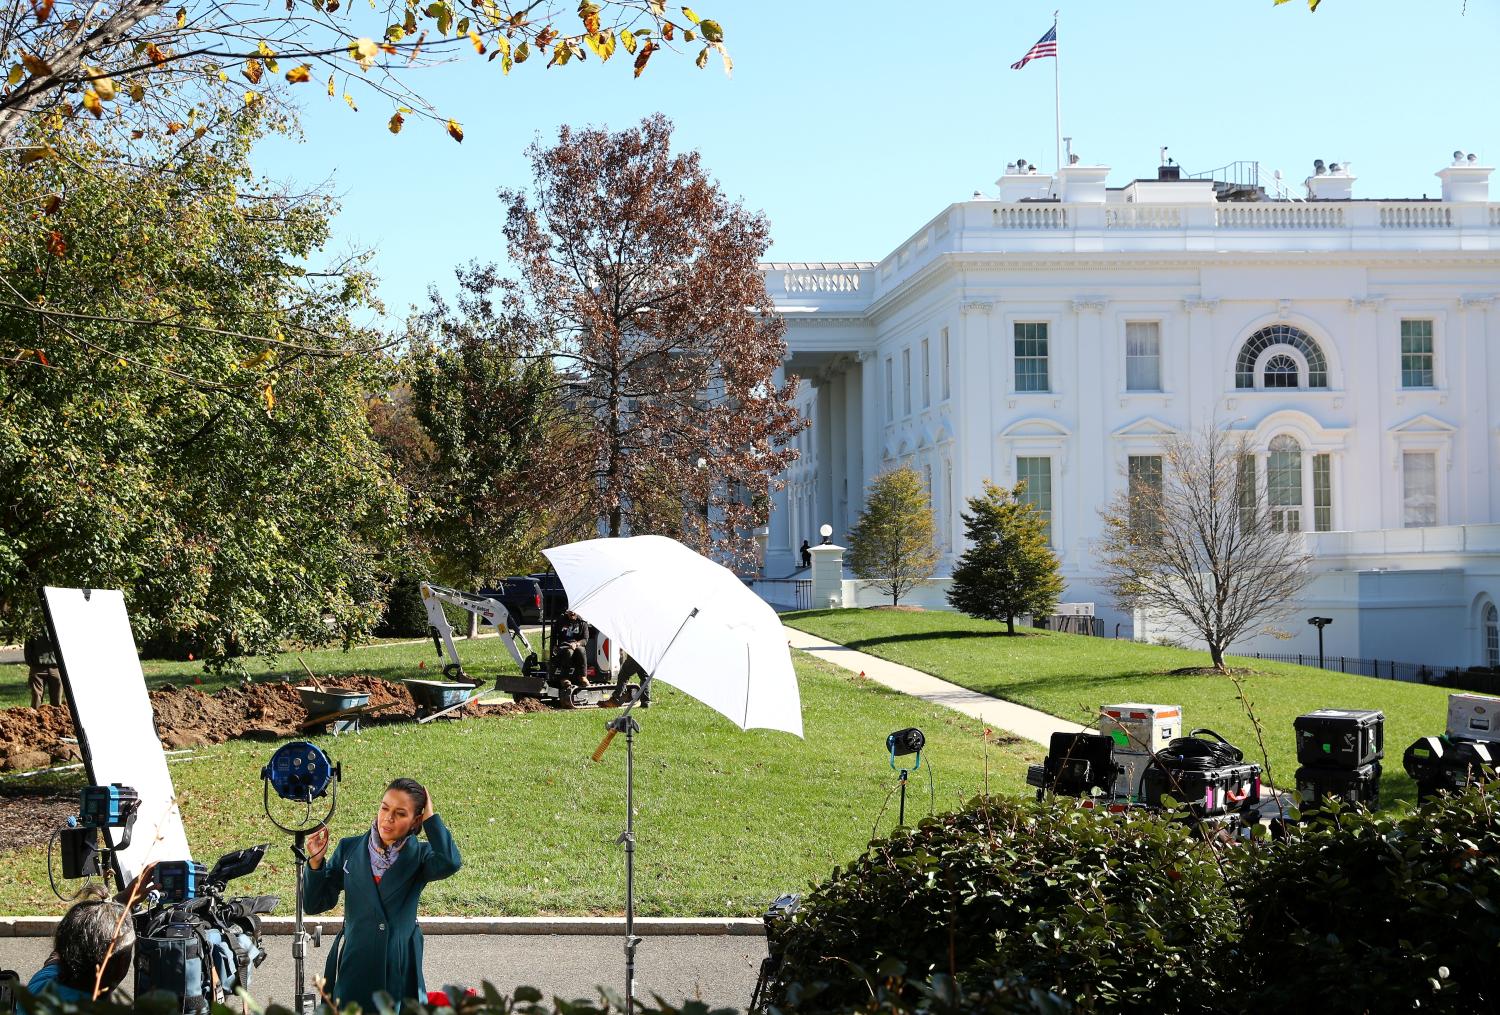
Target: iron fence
pixel 792 593
pixel 1382 669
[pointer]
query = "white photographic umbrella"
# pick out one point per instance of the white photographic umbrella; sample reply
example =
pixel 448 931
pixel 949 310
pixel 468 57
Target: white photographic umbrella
pixel 730 654
pixel 692 623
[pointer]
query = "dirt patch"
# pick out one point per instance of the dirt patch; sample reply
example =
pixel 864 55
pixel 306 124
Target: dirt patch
pixel 900 609
pixel 186 717
pixel 1208 671
pixel 28 817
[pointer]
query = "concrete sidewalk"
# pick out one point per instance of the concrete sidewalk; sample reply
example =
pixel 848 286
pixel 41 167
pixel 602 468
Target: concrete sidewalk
pixel 1005 715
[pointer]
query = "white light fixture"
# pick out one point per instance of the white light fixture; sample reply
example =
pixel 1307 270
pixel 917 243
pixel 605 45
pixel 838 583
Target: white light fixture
pixel 825 531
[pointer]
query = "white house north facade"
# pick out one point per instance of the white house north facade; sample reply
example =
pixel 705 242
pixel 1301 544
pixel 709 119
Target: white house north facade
pixel 1063 331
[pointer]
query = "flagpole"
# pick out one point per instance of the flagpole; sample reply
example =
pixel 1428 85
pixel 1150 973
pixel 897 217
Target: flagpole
pixel 1057 88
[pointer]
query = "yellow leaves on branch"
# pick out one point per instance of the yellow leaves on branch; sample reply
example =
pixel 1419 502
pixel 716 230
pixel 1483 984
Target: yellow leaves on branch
pixel 56 245
pixel 396 122
pixel 35 65
pixel 269 397
pixel 263 358
pixel 363 52
pixel 299 75
pixel 588 13
pixel 455 131
pixel 252 71
pixel 643 56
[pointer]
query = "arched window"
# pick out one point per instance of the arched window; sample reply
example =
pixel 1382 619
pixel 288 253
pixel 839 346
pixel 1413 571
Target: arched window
pixel 1284 483
pixel 1280 334
pixel 1281 372
pixel 1492 636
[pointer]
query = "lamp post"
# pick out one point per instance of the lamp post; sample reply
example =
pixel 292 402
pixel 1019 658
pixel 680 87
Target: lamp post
pixel 1320 623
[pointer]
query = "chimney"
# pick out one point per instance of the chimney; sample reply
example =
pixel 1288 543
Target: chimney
pixel 1079 184
pixel 1465 179
pixel 1331 182
pixel 1172 172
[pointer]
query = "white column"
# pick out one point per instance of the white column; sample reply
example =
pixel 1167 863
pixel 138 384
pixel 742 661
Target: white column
pixel 854 445
pixel 779 540
pixel 1089 479
pixel 870 389
pixel 1475 433
pixel 974 399
pixel 823 434
pixel 838 457
pixel 827 576
pixel 1204 388
pixel 1364 388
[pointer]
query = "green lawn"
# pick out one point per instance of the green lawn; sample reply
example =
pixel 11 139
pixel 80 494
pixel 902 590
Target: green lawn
pixel 726 820
pixel 1071 676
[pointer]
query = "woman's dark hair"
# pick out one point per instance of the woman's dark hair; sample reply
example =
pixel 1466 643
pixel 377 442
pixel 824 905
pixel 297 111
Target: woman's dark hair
pixel 413 789
pixel 94 933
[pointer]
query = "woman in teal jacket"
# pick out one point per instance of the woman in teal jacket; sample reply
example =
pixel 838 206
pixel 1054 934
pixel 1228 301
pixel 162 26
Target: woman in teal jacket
pixel 381 874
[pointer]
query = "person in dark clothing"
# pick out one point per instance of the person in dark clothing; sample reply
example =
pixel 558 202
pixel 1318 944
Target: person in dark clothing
pixel 570 660
pixel 42 672
pixel 806 554
pixel 91 952
pixel 381 874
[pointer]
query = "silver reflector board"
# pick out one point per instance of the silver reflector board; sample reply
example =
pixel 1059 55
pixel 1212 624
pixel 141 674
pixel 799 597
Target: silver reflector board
pixel 112 716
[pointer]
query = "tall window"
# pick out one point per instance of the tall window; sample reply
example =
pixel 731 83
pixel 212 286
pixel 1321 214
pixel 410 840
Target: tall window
pixel 1492 636
pixel 1418 488
pixel 890 390
pixel 926 373
pixel 1143 356
pixel 1031 356
pixel 1322 493
pixel 1248 496
pixel 947 364
pixel 1284 483
pixel 906 382
pixel 1144 474
pixel 1416 354
pixel 1036 473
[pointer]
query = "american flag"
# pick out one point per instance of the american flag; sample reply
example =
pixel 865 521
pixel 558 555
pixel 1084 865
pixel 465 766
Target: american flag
pixel 1045 46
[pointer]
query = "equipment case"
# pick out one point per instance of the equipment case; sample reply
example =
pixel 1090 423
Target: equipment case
pixel 1340 738
pixel 1474 717
pixel 1210 792
pixel 1347 785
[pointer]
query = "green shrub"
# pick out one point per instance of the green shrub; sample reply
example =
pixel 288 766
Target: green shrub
pixel 1112 912
pixel 405 616
pixel 1368 912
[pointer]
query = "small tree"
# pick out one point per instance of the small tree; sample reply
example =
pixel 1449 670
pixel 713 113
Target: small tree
pixel 892 546
pixel 1200 544
pixel 1009 568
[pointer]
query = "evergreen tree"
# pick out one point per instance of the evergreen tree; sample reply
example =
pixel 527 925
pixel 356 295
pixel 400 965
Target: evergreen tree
pixel 893 545
pixel 1009 568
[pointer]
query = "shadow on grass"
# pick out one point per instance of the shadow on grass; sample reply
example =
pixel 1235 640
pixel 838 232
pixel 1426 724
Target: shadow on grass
pixel 895 639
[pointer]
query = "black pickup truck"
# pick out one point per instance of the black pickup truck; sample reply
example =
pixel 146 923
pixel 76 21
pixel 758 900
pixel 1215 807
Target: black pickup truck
pixel 522 596
pixel 554 596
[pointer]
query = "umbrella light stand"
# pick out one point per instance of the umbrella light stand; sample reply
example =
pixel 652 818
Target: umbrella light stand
pixel 625 723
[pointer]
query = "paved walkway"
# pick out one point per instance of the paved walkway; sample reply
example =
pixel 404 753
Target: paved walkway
pixel 1005 715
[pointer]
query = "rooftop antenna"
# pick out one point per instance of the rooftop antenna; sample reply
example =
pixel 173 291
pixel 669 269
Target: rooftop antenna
pixel 1068 149
pixel 1163 155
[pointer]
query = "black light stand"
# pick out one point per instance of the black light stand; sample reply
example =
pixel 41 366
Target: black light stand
pixel 625 723
pixel 901 743
pixel 301 790
pixel 1320 623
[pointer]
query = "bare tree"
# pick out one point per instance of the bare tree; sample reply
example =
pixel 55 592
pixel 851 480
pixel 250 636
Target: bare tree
pixel 1198 542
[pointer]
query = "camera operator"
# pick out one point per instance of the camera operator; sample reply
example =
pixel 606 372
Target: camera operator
pixel 91 951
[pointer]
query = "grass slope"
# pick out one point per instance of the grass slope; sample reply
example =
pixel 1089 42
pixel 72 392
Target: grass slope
pixel 1071 676
pixel 726 820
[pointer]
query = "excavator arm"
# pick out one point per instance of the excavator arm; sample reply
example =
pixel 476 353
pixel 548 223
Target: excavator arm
pixel 489 611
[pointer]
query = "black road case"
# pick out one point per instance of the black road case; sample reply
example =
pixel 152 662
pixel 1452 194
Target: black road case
pixel 1349 786
pixel 1340 738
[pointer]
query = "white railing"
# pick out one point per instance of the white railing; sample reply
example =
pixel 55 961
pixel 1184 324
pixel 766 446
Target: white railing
pixel 1279 216
pixel 1495 215
pixel 1027 217
pixel 1143 216
pixel 1416 216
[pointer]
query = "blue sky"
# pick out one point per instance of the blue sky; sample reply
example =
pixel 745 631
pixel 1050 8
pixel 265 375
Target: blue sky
pixel 852 123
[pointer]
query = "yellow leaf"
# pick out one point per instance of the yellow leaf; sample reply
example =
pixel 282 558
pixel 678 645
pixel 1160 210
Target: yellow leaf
pixel 265 50
pixel 628 38
pixel 687 12
pixel 702 60
pixel 181 17
pixel 330 86
pixel 711 31
pixel 523 52
pixel 92 104
pixel 36 65
pixel 350 100
pixel 104 86
pixel 643 56
pixel 269 397
pixel 252 71
pixel 395 124
pixel 16 73
pixel 223 76
pixel 137 91
pixel 36 154
pixel 262 357
pixel 364 52
pixel 173 127
pixel 298 75
pixel 478 43
pixel 251 98
pixel 455 131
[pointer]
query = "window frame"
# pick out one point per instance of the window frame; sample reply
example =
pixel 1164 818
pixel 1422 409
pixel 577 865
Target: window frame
pixel 1160 384
pixel 1045 359
pixel 1430 353
pixel 906 382
pixel 1437 496
pixel 926 373
pixel 1050 513
pixel 947 354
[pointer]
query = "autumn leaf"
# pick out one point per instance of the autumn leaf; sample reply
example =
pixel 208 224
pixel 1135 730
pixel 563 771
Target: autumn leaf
pixel 43 9
pixel 364 52
pixel 687 12
pixel 261 358
pixel 182 17
pixel 643 56
pixel 298 75
pixel 52 204
pixel 523 52
pixel 477 41
pixel 667 29
pixel 627 38
pixel 455 131
pixel 330 86
pixel 173 127
pixel 16 73
pixel 35 65
pixel 155 54
pixel 41 357
pixel 724 55
pixel 702 60
pixel 35 154
pixel 103 85
pixel 349 99
pixel 603 44
pixel 658 7
pixel 588 13
pixel 137 91
pixel 252 71
pixel 396 122
pixel 56 245
pixel 92 104
pixel 251 98
pixel 711 31
pixel 269 397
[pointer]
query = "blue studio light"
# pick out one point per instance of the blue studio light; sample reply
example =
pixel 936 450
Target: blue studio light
pixel 299 771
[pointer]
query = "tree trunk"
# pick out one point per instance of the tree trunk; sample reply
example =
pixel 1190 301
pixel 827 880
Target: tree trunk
pixel 1010 623
pixel 1216 653
pixel 473 626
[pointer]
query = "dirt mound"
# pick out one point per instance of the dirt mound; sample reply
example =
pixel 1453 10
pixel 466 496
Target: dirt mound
pixel 186 717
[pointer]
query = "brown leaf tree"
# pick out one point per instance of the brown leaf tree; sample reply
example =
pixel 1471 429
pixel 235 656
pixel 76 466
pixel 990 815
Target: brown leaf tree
pixel 1200 545
pixel 149 68
pixel 646 278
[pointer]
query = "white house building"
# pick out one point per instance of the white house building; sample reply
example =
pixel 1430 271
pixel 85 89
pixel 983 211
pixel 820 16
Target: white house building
pixel 1062 330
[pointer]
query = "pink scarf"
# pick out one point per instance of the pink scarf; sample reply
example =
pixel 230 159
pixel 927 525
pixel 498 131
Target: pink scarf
pixel 382 858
